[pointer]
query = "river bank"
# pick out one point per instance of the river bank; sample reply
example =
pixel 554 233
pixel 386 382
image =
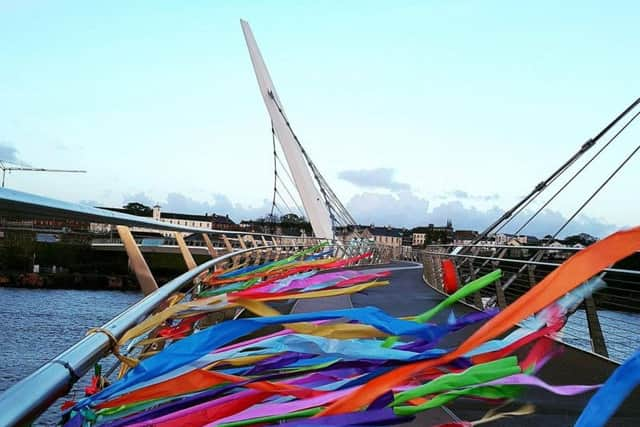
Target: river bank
pixel 66 280
pixel 28 264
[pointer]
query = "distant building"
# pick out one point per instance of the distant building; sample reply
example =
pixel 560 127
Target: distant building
pixel 351 233
pixel 208 221
pixel 43 223
pixel 289 224
pixel 388 236
pixel 418 239
pixel 213 221
pixel 407 239
pixel 508 239
pixel 421 236
pixel 464 237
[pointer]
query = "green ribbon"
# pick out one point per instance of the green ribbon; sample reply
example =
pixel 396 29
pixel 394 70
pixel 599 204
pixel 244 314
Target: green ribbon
pixel 305 413
pixel 465 291
pixel 478 374
pixel 486 392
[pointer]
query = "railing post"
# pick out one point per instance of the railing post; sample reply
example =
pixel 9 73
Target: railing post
pixel 184 250
pixel 477 298
pixel 227 245
pixel 433 271
pixel 258 253
pixel 437 272
pixel 136 261
pixel 598 345
pixel 502 302
pixel 241 241
pixel 532 276
pixel 212 250
pixel 267 252
pixel 427 269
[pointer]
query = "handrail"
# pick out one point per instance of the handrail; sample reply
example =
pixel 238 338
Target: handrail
pixel 612 304
pixel 550 248
pixel 524 261
pixel 27 399
pixel 21 202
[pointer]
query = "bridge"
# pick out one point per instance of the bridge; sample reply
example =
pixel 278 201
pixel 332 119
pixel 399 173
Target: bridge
pixel 434 338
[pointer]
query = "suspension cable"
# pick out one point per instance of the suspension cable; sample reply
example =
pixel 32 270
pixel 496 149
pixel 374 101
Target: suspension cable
pixel 324 187
pixel 613 138
pixel 275 169
pixel 300 211
pixel 284 202
pixel 276 178
pixel 606 181
pixel 282 165
pixel 544 184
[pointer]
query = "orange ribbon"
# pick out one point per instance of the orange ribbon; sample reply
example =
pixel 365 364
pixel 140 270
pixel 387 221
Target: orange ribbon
pixel 573 272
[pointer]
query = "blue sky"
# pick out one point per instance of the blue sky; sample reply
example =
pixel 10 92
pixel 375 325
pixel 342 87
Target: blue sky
pixel 414 111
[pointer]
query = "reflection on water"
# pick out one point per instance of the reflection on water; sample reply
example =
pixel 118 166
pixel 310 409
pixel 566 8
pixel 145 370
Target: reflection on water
pixel 620 330
pixel 37 325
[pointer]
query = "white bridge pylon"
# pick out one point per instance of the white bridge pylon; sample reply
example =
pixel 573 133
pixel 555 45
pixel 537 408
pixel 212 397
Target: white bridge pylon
pixel 312 201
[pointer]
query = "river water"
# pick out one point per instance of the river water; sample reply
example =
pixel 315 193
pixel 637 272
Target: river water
pixel 36 325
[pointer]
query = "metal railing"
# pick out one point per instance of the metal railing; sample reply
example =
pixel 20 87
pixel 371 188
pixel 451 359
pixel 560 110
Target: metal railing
pixel 607 323
pixel 27 399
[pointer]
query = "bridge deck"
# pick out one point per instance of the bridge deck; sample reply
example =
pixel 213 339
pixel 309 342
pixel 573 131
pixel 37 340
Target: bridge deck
pixel 407 294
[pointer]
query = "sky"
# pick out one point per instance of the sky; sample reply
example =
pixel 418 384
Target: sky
pixel 415 112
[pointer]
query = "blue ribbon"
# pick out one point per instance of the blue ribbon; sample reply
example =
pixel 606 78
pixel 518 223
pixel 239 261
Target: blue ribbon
pixel 197 345
pixel 606 401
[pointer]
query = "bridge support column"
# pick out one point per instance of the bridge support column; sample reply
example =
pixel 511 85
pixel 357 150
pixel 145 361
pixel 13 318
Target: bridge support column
pixel 227 245
pixel 258 253
pixel 598 344
pixel 477 298
pixel 184 250
pixel 427 269
pixel 247 258
pixel 207 241
pixel 502 302
pixel 136 261
pixel 268 253
pixel 532 276
pixel 211 249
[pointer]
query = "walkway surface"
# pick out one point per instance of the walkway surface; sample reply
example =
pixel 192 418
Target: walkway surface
pixel 407 294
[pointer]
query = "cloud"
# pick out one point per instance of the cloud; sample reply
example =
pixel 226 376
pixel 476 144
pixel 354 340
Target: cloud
pixel 374 178
pixel 463 217
pixel 219 204
pixel 406 209
pixel 10 154
pixel 463 195
pixel 402 209
pixel 549 221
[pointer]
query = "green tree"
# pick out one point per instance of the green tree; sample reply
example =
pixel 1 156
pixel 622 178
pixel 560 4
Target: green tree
pixel 291 218
pixel 135 208
pixel 582 238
